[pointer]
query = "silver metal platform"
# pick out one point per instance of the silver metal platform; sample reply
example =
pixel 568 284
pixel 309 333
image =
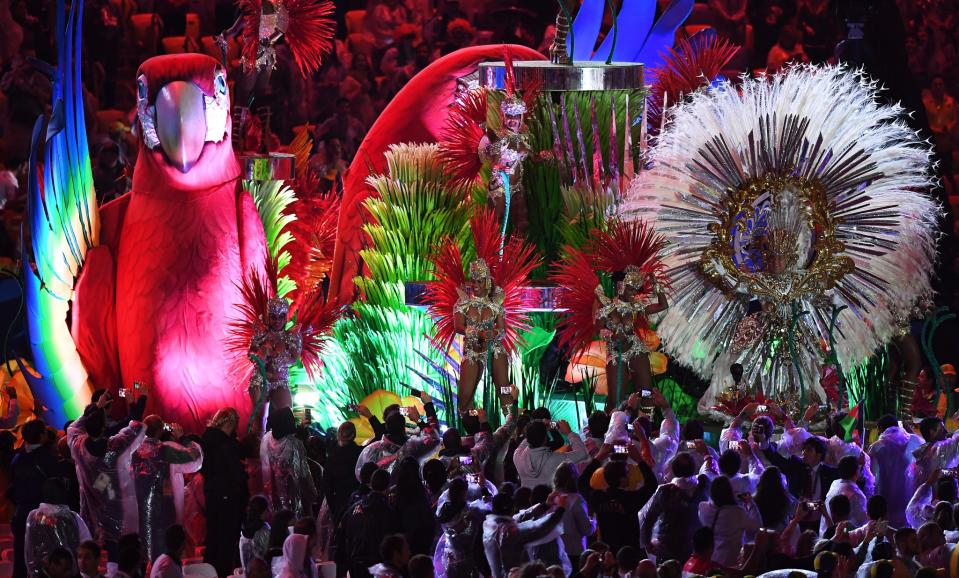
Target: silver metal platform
pixel 549 77
pixel 268 167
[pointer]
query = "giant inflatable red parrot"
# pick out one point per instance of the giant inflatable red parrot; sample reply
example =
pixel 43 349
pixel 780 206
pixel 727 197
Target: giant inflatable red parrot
pixel 156 295
pixel 417 115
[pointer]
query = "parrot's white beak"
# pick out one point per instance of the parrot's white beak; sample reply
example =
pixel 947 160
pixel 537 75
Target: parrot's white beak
pixel 181 123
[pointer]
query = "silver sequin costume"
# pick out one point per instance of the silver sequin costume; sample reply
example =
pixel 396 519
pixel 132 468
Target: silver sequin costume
pixel 473 348
pixel 279 349
pixel 622 342
pixel 506 156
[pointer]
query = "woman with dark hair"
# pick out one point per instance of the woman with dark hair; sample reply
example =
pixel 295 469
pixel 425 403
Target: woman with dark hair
pixel 435 478
pixel 772 499
pixel 279 530
pixel 729 520
pixel 287 481
pixel 578 525
pixel 255 534
pixel 413 507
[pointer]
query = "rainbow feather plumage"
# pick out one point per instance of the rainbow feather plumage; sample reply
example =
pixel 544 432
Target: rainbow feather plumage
pixel 64 224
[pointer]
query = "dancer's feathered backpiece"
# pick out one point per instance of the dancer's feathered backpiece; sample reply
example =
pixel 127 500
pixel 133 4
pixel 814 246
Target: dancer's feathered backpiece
pixel 693 64
pixel 509 270
pixel 307 25
pixel 314 233
pixel 576 276
pixel 256 290
pixel 462 134
pixel 622 245
pixel 783 198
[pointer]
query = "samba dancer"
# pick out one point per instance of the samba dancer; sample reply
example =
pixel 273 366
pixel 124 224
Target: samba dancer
pixel 617 320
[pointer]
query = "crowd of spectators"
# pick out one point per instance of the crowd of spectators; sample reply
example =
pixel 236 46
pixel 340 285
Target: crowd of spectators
pixel 626 496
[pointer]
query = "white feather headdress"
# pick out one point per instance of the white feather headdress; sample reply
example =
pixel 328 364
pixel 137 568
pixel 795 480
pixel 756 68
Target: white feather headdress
pixel 800 192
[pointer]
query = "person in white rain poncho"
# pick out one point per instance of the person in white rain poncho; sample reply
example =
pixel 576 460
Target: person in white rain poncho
pixel 287 481
pixel 107 494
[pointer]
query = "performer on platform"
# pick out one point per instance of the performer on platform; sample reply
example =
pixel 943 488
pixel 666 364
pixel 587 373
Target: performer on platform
pixel 265 348
pixel 276 348
pixel 472 141
pixel 629 255
pixel 479 317
pixel 488 309
pixel 619 320
pixel 505 154
pixel 306 26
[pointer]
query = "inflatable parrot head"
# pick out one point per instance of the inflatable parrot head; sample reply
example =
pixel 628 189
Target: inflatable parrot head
pixel 183 119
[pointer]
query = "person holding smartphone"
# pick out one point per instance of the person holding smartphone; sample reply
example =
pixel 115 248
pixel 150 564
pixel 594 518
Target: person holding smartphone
pixel 610 493
pixel 151 465
pixel 730 518
pixel 535 461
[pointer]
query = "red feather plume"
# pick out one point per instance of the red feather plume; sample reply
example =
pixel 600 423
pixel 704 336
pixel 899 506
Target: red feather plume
pixel 250 11
pixel 576 277
pixel 310 32
pixel 316 317
pixel 691 65
pixel 314 233
pixel 510 73
pixel 441 294
pixel 256 290
pixel 464 129
pixel 630 243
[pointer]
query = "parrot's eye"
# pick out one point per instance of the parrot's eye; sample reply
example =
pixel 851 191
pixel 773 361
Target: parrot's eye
pixel 142 86
pixel 219 82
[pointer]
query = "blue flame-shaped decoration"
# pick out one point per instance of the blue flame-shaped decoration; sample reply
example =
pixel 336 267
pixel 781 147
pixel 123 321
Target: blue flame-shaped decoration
pixel 644 38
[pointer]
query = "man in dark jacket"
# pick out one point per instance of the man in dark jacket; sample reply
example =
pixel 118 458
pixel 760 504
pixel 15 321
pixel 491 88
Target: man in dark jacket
pixel 225 490
pixel 807 477
pixel 31 466
pixel 339 478
pixel 617 507
pixel 367 523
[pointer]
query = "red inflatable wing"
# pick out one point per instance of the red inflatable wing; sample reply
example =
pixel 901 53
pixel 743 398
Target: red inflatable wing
pixel 416 114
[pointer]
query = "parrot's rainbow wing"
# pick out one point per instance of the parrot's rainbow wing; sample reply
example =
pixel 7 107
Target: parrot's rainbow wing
pixel 63 218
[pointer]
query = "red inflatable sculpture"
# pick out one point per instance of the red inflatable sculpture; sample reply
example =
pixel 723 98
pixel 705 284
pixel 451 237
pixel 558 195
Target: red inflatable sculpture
pixel 172 252
pixel 417 114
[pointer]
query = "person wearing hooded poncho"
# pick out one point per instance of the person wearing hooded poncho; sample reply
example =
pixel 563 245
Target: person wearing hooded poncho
pixel 107 493
pixel 287 481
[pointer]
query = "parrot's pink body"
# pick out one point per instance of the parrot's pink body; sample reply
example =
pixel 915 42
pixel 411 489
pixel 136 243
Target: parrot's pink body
pixel 156 297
